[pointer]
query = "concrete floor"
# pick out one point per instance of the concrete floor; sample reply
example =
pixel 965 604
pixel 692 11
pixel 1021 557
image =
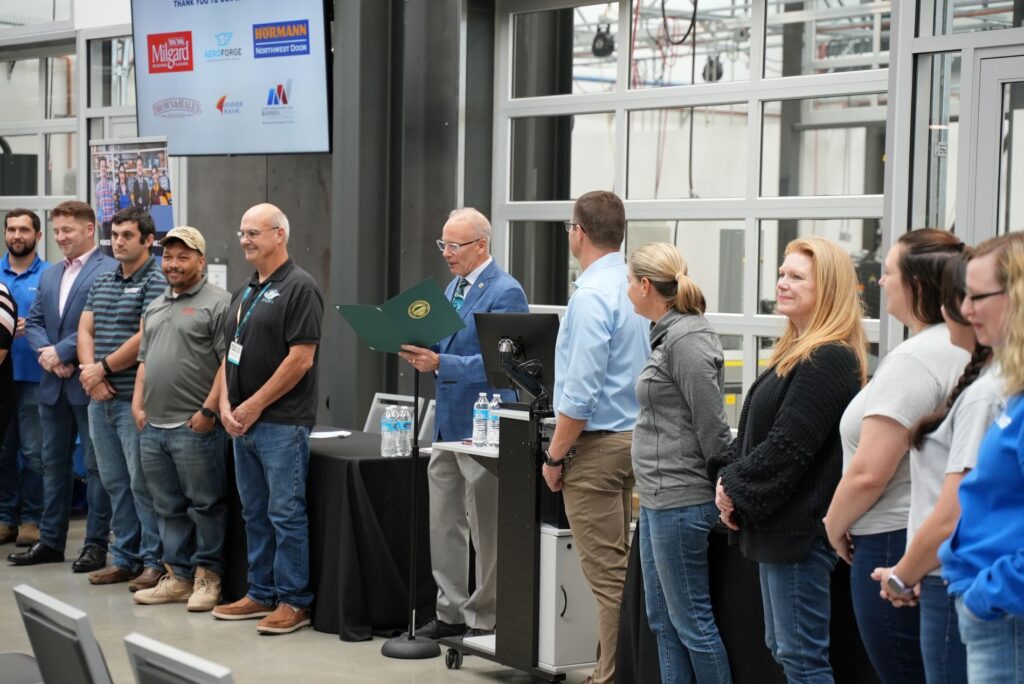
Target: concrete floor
pixel 305 656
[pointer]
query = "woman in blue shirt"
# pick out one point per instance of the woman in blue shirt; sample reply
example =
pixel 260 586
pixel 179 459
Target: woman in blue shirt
pixel 984 559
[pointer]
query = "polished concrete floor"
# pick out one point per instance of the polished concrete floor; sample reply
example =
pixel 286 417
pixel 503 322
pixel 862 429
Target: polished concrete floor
pixel 305 656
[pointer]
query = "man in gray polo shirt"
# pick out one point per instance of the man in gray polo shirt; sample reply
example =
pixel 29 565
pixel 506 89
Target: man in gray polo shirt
pixel 174 405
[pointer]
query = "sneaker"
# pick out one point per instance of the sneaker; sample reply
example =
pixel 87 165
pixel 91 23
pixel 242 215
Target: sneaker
pixel 284 620
pixel 169 589
pixel 205 591
pixel 28 534
pixel 242 609
pixel 7 533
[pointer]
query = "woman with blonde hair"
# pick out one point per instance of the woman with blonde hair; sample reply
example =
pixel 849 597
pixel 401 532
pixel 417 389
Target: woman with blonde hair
pixel 983 561
pixel 681 424
pixel 777 477
pixel 867 519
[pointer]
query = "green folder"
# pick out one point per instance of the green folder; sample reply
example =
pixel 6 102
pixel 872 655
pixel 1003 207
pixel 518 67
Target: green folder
pixel 421 315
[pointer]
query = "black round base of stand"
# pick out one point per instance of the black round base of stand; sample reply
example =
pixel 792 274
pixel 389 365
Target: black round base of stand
pixel 405 648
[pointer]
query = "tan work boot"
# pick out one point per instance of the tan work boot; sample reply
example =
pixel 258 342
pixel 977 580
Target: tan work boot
pixel 284 620
pixel 242 609
pixel 28 534
pixel 7 533
pixel 205 591
pixel 169 589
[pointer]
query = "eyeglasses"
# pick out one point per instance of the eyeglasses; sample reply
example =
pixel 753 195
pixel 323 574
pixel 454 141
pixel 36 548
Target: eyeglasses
pixel 252 233
pixel 569 225
pixel 975 298
pixel 454 246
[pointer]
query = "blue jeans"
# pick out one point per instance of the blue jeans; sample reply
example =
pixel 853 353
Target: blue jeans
pixel 186 475
pixel 674 558
pixel 995 648
pixel 797 604
pixel 60 423
pixel 21 489
pixel 271 461
pixel 943 653
pixel 891 635
pixel 116 439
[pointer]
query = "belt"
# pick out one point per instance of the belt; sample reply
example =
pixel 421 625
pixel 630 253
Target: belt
pixel 599 432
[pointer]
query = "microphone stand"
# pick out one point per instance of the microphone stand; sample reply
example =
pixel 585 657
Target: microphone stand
pixel 408 646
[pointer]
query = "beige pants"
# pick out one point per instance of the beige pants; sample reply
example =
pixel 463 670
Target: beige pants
pixel 597 489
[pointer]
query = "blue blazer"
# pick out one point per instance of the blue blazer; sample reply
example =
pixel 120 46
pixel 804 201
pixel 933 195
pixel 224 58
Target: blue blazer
pixel 44 326
pixel 461 377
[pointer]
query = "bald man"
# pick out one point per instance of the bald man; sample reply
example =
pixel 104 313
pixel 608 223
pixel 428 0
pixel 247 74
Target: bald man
pixel 268 407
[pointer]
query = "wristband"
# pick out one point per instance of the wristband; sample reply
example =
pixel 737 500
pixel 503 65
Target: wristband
pixel 207 412
pixel 106 366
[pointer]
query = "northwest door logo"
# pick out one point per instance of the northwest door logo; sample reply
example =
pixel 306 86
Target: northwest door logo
pixel 169 52
pixel 279 107
pixel 224 52
pixel 281 39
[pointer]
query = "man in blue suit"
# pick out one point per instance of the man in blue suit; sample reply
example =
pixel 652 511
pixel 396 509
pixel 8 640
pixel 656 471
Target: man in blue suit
pixel 458 484
pixel 52 332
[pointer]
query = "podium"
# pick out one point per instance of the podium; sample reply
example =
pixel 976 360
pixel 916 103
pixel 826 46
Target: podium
pixel 541 590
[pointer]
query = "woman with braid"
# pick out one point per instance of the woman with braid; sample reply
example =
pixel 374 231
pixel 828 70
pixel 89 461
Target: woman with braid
pixel 983 561
pixel 944 447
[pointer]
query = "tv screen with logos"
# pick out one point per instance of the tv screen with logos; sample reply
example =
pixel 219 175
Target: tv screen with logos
pixel 232 76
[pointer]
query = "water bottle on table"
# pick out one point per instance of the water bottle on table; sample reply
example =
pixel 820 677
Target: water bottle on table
pixel 405 431
pixel 493 421
pixel 387 433
pixel 480 415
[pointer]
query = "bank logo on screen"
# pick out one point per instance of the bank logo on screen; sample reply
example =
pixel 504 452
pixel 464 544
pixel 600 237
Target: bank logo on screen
pixel 281 39
pixel 170 52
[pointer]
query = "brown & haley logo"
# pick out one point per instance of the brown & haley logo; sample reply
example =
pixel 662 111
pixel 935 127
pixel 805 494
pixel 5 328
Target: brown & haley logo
pixel 177 108
pixel 169 52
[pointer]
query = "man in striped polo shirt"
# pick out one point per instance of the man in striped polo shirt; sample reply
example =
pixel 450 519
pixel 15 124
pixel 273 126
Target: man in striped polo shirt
pixel 108 346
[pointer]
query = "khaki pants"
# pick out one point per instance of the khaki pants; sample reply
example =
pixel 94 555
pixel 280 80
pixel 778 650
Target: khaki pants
pixel 597 489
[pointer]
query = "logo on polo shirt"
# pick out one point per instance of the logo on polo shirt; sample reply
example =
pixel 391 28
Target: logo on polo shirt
pixel 419 309
pixel 133 290
pixel 271 295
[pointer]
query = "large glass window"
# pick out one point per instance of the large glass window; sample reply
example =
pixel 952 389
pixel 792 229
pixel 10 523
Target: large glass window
pixel 936 128
pixel 112 72
pixel 560 157
pixel 689 152
pixel 19 165
pixel 18 13
pixel 967 16
pixel 19 90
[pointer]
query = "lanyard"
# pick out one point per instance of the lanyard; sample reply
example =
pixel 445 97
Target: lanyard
pixel 242 320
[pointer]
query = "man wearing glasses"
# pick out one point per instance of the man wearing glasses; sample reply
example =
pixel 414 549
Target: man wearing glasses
pixel 268 406
pixel 458 484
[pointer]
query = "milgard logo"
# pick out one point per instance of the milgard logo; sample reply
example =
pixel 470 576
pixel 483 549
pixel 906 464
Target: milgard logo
pixel 170 52
pixel 281 39
pixel 177 108
pixel 224 106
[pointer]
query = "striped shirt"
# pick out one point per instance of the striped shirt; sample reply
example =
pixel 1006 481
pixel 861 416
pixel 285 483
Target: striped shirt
pixel 8 317
pixel 117 304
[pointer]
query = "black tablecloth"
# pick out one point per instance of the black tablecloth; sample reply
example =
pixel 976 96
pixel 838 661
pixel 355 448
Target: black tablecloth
pixel 736 601
pixel 358 505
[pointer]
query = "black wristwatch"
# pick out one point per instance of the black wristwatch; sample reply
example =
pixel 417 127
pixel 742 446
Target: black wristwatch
pixel 207 412
pixel 554 463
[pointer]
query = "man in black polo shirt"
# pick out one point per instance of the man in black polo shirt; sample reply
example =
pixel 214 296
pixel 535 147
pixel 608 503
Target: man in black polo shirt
pixel 268 406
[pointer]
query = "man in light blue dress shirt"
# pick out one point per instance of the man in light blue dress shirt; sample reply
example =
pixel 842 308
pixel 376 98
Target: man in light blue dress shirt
pixel 602 346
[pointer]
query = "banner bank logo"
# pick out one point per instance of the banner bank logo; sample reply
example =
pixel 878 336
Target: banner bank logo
pixel 170 52
pixel 281 39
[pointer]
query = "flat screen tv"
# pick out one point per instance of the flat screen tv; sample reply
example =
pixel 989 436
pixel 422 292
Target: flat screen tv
pixel 233 76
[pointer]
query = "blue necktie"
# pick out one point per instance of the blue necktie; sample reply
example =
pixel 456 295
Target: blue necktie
pixel 460 294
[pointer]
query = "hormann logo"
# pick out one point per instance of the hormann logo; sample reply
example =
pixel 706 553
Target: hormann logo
pixel 281 39
pixel 224 52
pixel 170 52
pixel 177 108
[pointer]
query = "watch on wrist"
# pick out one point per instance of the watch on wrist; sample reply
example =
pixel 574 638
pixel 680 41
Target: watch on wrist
pixel 897 586
pixel 207 412
pixel 554 463
pixel 106 366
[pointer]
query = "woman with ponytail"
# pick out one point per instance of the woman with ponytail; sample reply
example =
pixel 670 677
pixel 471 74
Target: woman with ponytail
pixel 943 449
pixel 983 561
pixel 680 426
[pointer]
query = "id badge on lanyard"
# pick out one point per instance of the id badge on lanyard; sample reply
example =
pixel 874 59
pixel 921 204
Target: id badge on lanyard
pixel 235 348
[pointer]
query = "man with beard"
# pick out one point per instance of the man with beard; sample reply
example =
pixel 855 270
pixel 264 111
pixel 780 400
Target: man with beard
pixel 21 490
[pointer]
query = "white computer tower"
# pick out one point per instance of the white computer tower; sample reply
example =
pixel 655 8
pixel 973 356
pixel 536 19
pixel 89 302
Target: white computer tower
pixel 567 616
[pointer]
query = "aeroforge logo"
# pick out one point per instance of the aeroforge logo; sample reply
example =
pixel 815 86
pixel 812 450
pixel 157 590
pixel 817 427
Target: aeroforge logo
pixel 223 52
pixel 279 109
pixel 169 52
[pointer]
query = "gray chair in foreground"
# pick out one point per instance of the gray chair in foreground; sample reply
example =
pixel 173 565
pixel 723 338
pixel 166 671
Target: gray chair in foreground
pixel 19 668
pixel 154 662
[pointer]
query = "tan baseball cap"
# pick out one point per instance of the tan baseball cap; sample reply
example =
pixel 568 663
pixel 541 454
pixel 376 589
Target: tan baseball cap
pixel 189 235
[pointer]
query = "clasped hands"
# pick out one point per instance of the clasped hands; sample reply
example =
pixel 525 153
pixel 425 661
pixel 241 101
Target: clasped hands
pixel 725 506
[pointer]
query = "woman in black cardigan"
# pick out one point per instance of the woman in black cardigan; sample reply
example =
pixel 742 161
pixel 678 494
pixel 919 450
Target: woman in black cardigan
pixel 776 479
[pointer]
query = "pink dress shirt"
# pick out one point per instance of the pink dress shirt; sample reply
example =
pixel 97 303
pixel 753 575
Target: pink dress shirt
pixel 72 267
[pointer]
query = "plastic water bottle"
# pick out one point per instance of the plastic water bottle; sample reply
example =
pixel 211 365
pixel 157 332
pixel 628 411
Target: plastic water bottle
pixel 493 420
pixel 388 437
pixel 404 431
pixel 480 421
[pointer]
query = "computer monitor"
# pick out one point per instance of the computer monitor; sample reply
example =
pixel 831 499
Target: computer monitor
pixel 154 662
pixel 519 353
pixel 62 640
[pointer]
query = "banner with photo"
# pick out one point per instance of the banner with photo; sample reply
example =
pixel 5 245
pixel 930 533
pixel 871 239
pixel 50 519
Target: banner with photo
pixel 126 173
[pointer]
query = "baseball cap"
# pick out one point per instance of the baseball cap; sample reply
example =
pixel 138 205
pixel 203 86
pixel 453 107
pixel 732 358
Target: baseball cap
pixel 189 235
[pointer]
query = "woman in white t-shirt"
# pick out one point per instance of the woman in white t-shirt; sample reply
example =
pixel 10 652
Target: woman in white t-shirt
pixel 867 520
pixel 944 448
